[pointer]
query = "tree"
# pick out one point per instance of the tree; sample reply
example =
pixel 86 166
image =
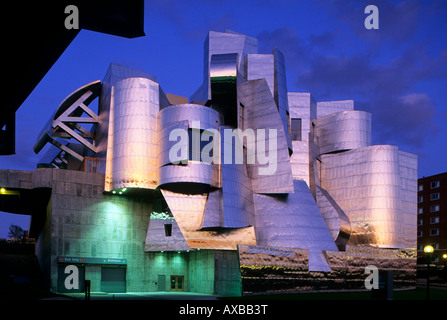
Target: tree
pixel 16 232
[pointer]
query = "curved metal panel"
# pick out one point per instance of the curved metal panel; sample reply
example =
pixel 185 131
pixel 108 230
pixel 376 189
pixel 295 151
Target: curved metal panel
pixel 366 184
pixel 198 117
pixel 343 131
pixel 135 148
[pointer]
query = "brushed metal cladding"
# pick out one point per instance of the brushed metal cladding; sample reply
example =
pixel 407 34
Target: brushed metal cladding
pixel 222 43
pixel 104 131
pixel 343 131
pixel 184 117
pixel 135 147
pixel 213 216
pixel 188 210
pixel 408 175
pixel 280 95
pixel 336 220
pixel 302 106
pixel 223 65
pixel 325 108
pixel 238 210
pixel 367 184
pixel 293 221
pixel 261 66
pixel 262 113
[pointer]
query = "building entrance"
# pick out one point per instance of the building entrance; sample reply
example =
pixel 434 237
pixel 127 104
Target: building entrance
pixel 177 283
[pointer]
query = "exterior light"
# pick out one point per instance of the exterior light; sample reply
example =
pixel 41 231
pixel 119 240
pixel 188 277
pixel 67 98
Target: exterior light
pixel 120 192
pixel 444 256
pixel 2 190
pixel 428 249
pixel 113 191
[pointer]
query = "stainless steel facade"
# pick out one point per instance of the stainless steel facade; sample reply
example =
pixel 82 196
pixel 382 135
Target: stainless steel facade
pixel 330 192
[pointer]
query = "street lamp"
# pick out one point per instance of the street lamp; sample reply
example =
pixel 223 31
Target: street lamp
pixel 428 251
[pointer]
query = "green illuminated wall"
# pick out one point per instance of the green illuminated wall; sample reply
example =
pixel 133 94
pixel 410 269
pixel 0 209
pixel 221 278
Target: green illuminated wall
pixel 82 221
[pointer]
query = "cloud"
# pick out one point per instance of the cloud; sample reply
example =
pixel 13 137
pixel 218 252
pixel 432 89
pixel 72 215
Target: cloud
pixel 384 85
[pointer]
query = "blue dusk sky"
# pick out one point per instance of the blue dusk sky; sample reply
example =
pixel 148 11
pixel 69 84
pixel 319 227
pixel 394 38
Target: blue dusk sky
pixel 397 72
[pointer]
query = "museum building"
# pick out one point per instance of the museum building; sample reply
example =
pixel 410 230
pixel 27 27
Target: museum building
pixel 244 188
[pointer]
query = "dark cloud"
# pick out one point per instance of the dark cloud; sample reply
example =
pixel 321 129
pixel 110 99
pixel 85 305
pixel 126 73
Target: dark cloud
pixel 385 87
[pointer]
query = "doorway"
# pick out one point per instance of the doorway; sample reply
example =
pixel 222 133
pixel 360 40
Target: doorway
pixel 113 279
pixel 177 283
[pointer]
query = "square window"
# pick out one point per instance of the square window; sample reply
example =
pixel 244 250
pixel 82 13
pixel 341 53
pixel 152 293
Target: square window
pixel 421 187
pixel 434 220
pixel 434 196
pixel 435 184
pixel 434 232
pixel 420 221
pixel 434 208
pixel 419 233
pixel 420 210
pixel 420 199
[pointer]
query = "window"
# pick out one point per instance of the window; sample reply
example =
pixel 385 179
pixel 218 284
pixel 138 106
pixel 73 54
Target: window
pixel 420 222
pixel 434 232
pixel 241 116
pixel 419 233
pixel 434 184
pixel 420 247
pixel 434 208
pixel 420 199
pixel 435 246
pixel 420 210
pixel 197 146
pixel 434 220
pixel 421 187
pixel 434 196
pixel 168 229
pixel 296 129
pixel 90 164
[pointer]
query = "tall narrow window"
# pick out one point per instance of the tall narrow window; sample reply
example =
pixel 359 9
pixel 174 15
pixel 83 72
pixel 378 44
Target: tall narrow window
pixel 296 129
pixel 168 229
pixel 241 116
pixel 196 145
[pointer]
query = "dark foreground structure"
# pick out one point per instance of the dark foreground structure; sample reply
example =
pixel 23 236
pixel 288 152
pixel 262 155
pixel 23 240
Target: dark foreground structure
pixel 244 188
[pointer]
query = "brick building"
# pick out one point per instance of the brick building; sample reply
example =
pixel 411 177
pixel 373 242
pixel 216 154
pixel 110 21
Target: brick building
pixel 432 215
